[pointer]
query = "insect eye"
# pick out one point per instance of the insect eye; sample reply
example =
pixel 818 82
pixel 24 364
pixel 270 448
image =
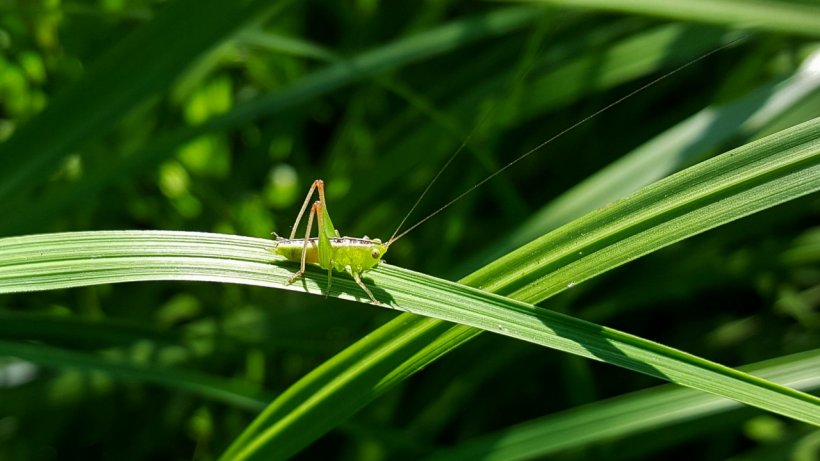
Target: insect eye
pixel 375 253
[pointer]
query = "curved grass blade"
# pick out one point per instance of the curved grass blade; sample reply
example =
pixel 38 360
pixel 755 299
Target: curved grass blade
pixel 661 156
pixel 330 409
pixel 756 176
pixel 77 259
pixel 66 260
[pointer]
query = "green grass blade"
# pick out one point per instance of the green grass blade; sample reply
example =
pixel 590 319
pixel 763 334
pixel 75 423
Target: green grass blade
pixel 68 260
pixel 134 70
pixel 753 177
pixel 626 415
pixel 344 384
pixel 208 386
pixel 78 259
pixel 332 402
pixel 776 16
pixel 661 156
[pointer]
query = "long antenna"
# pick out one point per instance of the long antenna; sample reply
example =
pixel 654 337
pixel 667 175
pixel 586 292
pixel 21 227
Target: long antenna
pixel 562 133
pixel 435 178
pixel 476 128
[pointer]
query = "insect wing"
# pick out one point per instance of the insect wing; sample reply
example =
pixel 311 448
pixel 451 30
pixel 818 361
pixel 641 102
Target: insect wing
pixel 326 231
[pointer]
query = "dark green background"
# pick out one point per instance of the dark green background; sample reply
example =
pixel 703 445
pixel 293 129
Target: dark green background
pixel 199 116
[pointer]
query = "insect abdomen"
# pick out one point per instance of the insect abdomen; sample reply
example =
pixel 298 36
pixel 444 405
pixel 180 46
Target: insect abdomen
pixel 359 254
pixel 292 250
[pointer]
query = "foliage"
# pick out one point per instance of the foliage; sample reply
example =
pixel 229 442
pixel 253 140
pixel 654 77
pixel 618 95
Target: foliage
pixel 207 116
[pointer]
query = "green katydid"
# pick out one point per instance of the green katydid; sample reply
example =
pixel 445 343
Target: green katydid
pixel 329 250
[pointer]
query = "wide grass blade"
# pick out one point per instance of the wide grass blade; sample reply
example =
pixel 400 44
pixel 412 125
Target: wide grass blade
pixel 79 259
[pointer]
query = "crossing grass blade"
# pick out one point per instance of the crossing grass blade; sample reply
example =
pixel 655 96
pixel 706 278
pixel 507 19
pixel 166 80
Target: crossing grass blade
pixel 757 176
pixel 651 409
pixel 341 395
pixel 182 138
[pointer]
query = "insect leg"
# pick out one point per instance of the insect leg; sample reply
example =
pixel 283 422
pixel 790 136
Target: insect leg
pixel 317 183
pixel 325 224
pixel 361 284
pixel 329 280
pixel 305 245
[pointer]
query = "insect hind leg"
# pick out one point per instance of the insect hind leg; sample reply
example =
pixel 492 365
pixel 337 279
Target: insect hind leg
pixel 301 270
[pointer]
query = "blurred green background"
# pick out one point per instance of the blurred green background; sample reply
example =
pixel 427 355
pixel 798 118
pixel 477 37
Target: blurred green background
pixel 177 115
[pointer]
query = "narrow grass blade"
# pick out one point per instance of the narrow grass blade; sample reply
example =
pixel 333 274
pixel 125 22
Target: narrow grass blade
pixel 626 415
pixel 392 352
pixel 785 165
pixel 78 259
pixel 756 176
pixel 661 156
pixel 776 16
pixel 208 386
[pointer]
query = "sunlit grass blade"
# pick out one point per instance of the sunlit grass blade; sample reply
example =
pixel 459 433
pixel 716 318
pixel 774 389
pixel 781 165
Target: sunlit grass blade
pixel 69 260
pixel 78 259
pixel 756 176
pixel 626 415
pixel 675 148
pixel 319 420
pixel 64 260
pixel 771 15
